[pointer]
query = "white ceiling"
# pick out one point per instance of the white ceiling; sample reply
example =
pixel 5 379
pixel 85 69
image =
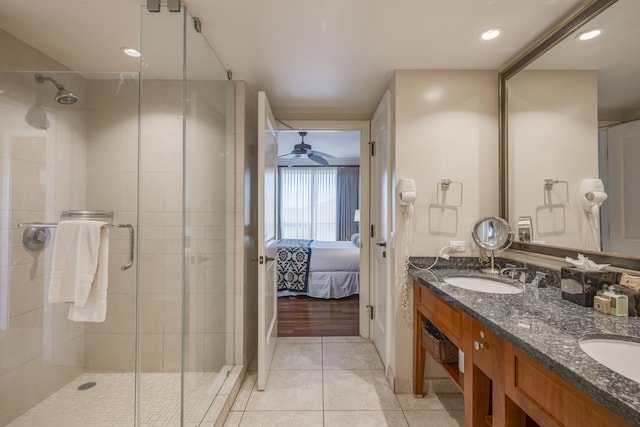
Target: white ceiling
pixel 315 59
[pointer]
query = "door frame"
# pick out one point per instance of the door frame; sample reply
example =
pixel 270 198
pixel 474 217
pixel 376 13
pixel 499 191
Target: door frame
pixel 363 127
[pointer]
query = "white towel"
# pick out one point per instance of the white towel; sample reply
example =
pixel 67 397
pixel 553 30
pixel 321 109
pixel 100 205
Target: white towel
pixel 79 268
pixel 95 309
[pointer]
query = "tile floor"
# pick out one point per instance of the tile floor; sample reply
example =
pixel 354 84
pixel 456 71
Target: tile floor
pixel 336 381
pixel 110 402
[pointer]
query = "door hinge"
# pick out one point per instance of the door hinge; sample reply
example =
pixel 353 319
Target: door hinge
pixel 372 231
pixel 173 5
pixel 370 308
pixel 372 148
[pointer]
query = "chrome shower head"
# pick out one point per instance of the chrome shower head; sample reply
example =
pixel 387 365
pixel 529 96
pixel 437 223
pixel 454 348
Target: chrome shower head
pixel 63 96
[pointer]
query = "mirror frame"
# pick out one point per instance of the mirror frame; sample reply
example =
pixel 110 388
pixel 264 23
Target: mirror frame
pixel 548 40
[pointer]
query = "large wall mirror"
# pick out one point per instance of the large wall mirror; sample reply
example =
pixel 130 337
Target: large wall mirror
pixel 570 137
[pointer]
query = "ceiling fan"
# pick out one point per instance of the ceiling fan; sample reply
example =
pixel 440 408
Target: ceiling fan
pixel 301 149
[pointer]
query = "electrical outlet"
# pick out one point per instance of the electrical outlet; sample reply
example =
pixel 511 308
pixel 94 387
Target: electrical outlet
pixel 458 245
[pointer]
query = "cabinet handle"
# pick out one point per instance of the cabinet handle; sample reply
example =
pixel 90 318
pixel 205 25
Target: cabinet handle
pixel 478 345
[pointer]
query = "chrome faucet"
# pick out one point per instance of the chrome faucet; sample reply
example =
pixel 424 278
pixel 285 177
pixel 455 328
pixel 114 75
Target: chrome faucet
pixel 512 269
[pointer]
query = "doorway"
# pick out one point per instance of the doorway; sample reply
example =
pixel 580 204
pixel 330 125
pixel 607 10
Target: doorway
pixel 335 302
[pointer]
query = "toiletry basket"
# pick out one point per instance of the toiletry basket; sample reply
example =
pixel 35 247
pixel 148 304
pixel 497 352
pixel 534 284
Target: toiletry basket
pixel 437 344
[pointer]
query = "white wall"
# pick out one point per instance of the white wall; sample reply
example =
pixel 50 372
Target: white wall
pixel 553 122
pixel 445 127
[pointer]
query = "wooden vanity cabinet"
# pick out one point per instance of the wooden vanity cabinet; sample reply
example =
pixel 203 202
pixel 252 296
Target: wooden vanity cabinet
pixel 502 386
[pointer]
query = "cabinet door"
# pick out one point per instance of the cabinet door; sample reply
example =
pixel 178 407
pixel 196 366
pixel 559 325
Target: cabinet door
pixel 548 399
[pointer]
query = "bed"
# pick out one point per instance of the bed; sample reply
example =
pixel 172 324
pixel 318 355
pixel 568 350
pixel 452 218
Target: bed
pixel 319 269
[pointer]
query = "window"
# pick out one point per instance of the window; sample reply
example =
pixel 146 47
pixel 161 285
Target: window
pixel 308 203
pixel 318 203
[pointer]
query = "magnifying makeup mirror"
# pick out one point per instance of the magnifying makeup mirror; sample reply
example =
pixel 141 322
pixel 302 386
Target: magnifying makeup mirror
pixel 492 234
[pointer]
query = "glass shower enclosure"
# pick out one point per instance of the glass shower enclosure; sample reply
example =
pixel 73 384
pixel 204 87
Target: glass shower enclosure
pixel 151 147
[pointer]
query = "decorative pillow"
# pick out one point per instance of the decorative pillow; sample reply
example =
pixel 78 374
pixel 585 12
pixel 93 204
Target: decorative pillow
pixel 355 239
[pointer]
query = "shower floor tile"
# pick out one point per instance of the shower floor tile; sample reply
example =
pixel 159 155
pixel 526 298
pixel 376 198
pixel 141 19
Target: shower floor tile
pixel 110 402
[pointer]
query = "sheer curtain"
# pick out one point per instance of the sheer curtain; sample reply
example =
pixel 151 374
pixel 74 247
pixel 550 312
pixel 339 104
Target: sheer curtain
pixel 307 203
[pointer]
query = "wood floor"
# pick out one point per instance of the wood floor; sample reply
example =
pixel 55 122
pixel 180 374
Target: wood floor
pixel 312 317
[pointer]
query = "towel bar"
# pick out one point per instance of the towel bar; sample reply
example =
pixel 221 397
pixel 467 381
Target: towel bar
pixel 127 226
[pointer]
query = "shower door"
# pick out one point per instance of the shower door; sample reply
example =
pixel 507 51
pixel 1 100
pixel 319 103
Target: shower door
pixel 186 219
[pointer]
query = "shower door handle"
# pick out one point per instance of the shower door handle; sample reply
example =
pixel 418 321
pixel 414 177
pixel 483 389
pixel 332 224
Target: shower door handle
pixel 131 242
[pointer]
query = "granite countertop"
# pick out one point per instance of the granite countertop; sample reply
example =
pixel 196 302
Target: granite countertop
pixel 547 328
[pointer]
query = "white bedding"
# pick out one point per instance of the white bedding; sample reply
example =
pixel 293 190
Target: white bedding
pixel 334 270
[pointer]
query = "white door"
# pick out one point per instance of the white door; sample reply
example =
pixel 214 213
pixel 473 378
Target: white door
pixel 267 296
pixel 379 295
pixel 623 199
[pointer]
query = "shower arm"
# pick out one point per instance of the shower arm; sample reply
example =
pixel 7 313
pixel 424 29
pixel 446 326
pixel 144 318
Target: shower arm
pixel 41 79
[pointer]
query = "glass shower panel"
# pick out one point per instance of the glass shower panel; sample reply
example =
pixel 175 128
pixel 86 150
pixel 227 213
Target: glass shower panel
pixel 160 218
pixel 208 214
pixel 56 157
pixel 186 221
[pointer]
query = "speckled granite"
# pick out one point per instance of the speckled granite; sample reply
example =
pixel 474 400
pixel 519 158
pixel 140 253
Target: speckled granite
pixel 547 328
pixel 552 277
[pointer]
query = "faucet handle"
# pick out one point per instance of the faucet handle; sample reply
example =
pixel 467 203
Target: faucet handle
pixel 537 281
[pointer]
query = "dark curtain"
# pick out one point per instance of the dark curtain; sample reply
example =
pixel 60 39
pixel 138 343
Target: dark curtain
pixel 348 197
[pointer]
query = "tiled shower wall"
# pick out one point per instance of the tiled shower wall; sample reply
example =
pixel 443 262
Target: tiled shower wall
pixel 112 162
pixel 42 172
pixel 210 218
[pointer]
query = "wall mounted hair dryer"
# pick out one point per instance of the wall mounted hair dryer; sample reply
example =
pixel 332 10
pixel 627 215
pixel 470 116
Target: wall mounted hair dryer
pixel 592 195
pixel 406 191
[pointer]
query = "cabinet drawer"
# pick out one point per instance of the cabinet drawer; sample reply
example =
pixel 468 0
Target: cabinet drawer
pixel 483 342
pixel 550 400
pixel 443 315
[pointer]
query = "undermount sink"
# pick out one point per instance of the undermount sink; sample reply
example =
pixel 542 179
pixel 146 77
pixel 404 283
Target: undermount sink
pixel 618 354
pixel 479 284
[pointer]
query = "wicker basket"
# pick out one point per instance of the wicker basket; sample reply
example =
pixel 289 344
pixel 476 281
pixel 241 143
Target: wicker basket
pixel 438 346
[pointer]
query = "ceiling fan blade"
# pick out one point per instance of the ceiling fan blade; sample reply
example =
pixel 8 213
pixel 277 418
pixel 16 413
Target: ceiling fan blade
pixel 320 153
pixel 294 160
pixel 318 159
pixel 284 155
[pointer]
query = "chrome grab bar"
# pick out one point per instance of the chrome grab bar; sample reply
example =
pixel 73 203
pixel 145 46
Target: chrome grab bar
pixel 128 226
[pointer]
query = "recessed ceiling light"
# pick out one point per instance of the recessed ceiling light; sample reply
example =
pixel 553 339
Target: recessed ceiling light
pixel 589 34
pixel 134 53
pixel 491 33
